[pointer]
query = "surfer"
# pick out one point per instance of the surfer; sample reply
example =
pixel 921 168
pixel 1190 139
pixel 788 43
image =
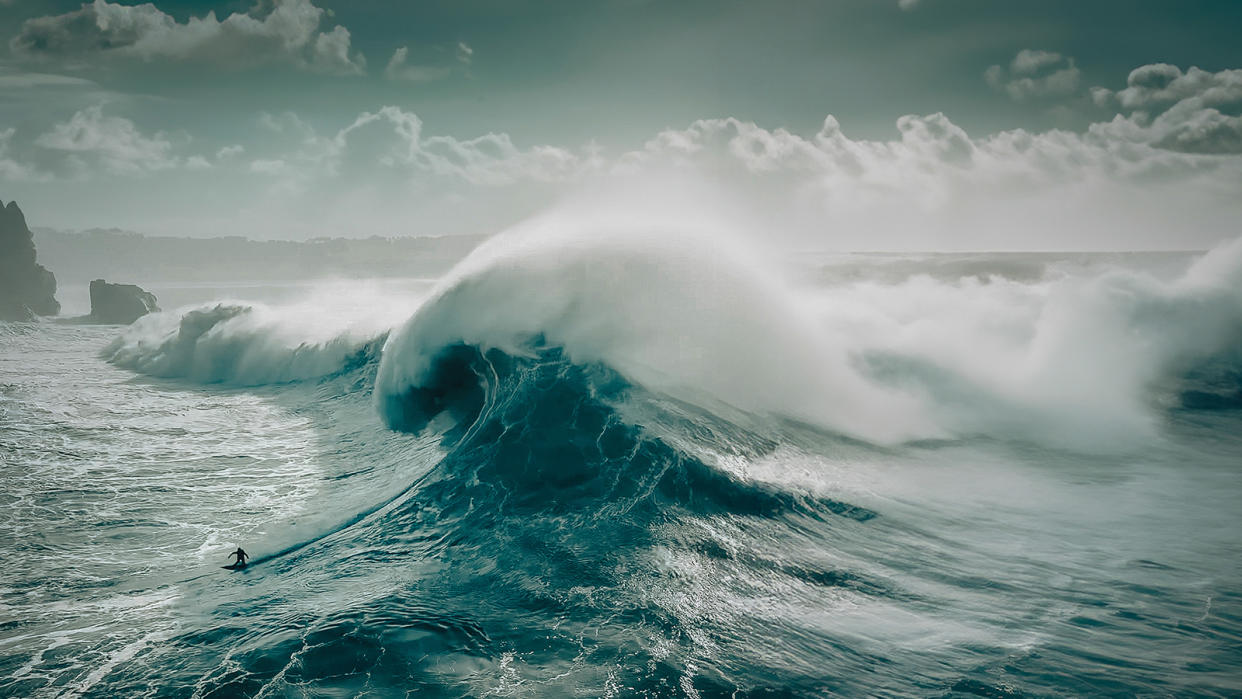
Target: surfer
pixel 241 557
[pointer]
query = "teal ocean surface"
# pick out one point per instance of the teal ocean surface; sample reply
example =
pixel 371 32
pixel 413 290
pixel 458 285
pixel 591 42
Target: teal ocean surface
pixel 615 469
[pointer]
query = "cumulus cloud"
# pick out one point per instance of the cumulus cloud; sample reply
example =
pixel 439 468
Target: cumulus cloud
pixel 1034 75
pixel 394 138
pixel 931 161
pixel 1029 62
pixel 1121 181
pixel 1161 83
pixel 1176 110
pixel 288 33
pixel 1170 166
pixel 115 142
pixel 930 152
pixel 933 178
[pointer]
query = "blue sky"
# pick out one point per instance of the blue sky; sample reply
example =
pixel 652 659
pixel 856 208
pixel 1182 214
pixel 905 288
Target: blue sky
pixel 299 118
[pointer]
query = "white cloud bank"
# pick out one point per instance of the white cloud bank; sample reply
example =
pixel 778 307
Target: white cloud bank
pixel 289 33
pixel 1132 181
pixel 1164 172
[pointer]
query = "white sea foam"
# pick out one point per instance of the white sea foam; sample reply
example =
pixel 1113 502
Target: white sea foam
pixel 1071 359
pixel 684 308
pixel 248 343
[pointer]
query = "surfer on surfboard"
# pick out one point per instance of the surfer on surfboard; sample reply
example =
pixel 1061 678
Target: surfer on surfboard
pixel 241 558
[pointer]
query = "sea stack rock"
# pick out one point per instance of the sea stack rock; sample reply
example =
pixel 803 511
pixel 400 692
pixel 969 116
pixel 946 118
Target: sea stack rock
pixel 27 288
pixel 120 304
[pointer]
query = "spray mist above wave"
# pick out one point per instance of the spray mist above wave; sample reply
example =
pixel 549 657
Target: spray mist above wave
pixel 1070 360
pixel 1079 361
pixel 251 344
pixel 693 316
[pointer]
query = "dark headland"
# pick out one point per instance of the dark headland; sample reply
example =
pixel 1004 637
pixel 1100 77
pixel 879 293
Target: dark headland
pixel 27 288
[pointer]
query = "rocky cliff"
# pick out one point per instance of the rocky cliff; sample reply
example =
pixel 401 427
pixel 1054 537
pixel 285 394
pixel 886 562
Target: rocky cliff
pixel 120 304
pixel 26 287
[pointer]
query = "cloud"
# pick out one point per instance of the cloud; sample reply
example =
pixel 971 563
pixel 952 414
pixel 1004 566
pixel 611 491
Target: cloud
pixel 929 162
pixel 907 4
pixel 1178 111
pixel 1161 83
pixel 1164 174
pixel 289 34
pixel 1122 175
pixel 1035 75
pixel 393 139
pixel 11 169
pixel 115 142
pixel 1029 62
pixel 398 69
pixel 16 80
pixel 1123 181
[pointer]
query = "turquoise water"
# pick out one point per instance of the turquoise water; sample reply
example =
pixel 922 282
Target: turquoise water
pixel 433 509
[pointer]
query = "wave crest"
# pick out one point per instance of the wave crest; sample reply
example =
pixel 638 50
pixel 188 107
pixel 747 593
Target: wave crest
pixel 697 319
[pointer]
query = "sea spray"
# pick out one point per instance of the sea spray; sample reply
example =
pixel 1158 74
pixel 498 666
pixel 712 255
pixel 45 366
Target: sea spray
pixel 695 317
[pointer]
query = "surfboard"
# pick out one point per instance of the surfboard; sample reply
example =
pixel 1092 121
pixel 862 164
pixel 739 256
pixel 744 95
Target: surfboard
pixel 235 566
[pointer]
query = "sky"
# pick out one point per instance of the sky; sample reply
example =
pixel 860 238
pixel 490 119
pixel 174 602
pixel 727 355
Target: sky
pixel 848 124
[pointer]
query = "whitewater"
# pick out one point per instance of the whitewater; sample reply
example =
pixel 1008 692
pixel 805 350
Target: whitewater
pixel 646 459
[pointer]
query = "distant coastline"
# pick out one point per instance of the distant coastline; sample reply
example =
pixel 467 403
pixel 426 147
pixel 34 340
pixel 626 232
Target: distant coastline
pixel 78 257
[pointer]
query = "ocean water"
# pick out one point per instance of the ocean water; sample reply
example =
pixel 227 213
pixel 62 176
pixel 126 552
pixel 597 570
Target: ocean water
pixel 632 466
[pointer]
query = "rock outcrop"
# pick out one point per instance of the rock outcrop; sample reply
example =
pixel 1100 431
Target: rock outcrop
pixel 27 288
pixel 119 304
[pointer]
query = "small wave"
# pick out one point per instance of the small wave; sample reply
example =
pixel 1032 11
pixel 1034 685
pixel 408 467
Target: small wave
pixel 245 345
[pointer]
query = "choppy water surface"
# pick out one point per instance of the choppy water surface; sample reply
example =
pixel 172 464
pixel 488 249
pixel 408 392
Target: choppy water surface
pixel 494 503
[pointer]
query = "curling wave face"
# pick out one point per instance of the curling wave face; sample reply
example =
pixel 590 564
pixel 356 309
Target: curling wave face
pixel 693 318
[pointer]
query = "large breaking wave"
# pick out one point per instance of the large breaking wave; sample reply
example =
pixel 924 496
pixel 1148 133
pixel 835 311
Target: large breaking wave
pixel 691 317
pixel 1083 360
pixel 586 466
